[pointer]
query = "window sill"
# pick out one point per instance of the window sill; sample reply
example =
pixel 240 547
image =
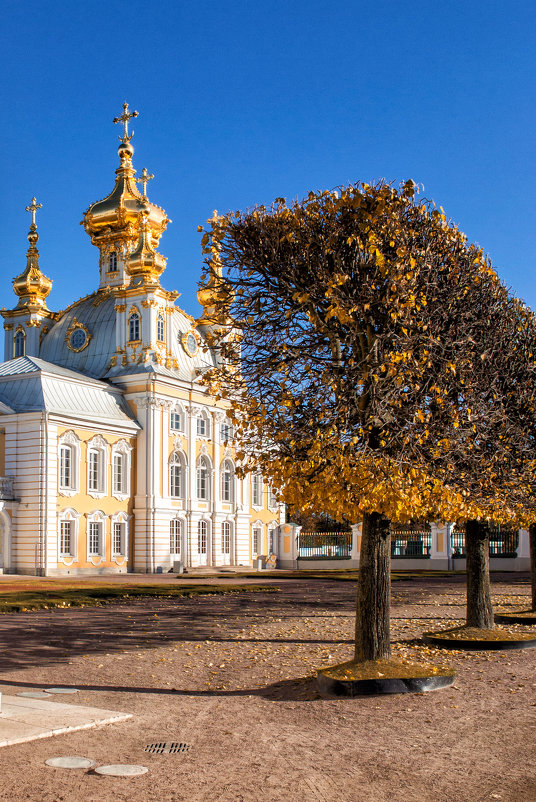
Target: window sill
pixel 68 491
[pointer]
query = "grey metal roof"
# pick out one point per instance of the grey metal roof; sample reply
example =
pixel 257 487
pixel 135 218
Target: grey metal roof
pixel 99 317
pixel 30 384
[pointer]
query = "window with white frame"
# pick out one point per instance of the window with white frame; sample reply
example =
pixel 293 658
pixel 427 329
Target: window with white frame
pixel 271 539
pixel 203 479
pixel 203 425
pixel 227 481
pixel 177 475
pixel 160 328
pixel 119 535
pixel 256 489
pixel 19 344
pixel 68 464
pixel 176 420
pixel 121 469
pixel 202 537
pixel 112 261
pixel 97 463
pixel 175 536
pixel 68 533
pixel 95 534
pixel 134 326
pixel 226 431
pixel 256 538
pixel 226 537
pixel 272 498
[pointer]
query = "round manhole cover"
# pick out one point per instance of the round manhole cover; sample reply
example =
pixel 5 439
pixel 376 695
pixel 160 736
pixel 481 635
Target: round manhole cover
pixel 70 762
pixel 61 690
pixel 122 770
pixel 35 694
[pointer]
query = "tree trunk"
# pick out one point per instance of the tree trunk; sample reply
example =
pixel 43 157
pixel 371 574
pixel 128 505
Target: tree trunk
pixel 479 607
pixel 372 632
pixel 532 541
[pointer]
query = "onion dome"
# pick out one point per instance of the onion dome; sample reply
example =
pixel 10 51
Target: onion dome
pixel 116 218
pixel 32 286
pixel 145 265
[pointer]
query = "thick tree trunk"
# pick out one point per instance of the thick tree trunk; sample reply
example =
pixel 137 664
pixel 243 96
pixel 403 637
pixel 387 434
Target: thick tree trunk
pixel 479 607
pixel 372 635
pixel 532 541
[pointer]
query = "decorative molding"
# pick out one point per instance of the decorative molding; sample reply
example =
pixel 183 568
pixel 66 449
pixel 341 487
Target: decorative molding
pixel 76 326
pixel 120 308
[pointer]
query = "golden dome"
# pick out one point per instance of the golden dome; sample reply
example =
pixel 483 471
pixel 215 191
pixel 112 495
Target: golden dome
pixel 145 265
pixel 116 217
pixel 32 286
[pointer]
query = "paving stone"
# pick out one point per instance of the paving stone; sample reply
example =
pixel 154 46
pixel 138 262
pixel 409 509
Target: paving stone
pixel 122 770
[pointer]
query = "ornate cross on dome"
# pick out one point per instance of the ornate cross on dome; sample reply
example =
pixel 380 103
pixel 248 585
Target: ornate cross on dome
pixel 33 207
pixel 143 179
pixel 124 118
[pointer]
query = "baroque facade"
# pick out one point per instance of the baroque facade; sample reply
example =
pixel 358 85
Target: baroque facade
pixel 113 456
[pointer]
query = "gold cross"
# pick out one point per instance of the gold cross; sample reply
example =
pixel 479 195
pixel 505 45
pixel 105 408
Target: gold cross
pixel 143 179
pixel 124 118
pixel 34 206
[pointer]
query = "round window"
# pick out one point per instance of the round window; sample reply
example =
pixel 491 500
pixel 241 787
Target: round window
pixel 190 343
pixel 78 339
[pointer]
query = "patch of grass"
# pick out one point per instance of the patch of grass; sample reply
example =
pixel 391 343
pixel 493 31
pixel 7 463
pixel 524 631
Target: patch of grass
pixel 25 601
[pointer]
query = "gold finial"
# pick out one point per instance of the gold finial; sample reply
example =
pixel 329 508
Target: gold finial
pixel 34 206
pixel 124 118
pixel 144 178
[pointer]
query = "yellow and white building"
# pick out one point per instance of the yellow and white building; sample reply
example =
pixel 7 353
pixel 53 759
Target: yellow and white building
pixel 113 457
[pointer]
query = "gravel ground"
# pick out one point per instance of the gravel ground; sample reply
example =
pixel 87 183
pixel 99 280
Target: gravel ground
pixel 232 677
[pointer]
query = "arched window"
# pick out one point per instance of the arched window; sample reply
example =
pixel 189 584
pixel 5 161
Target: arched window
pixel 256 537
pixel 97 466
pixel 96 545
pixel 202 537
pixel 112 262
pixel 68 533
pixel 227 481
pixel 176 419
pixel 176 475
pixel 134 327
pixel 160 328
pixel 203 425
pixel 119 534
pixel 226 430
pixel 175 536
pixel 203 479
pixel 69 464
pixel 19 344
pixel 226 538
pixel 121 469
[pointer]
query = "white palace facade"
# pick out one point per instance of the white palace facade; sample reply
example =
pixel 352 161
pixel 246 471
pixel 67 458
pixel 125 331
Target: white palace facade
pixel 113 456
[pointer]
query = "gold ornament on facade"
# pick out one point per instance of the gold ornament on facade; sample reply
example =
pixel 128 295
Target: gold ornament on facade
pixel 114 221
pixel 77 336
pixel 32 286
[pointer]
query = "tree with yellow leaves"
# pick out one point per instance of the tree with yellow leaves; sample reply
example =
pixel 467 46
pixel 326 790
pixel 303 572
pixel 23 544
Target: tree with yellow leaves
pixel 347 326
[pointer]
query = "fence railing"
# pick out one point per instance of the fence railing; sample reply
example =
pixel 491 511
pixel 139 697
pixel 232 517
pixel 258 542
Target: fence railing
pixel 411 542
pixel 503 541
pixel 324 545
pixel 6 488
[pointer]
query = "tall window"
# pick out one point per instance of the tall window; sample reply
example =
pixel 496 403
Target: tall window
pixel 94 538
pixel 119 473
pixel 256 489
pixel 112 262
pixel 66 544
pixel 175 535
pixel 118 538
pixel 227 481
pixel 203 479
pixel 160 328
pixel 226 431
pixel 134 326
pixel 271 540
pixel 202 537
pixel 19 344
pixel 94 477
pixel 176 421
pixel 226 538
pixel 202 426
pixel 272 498
pixel 176 475
pixel 256 539
pixel 66 467
pixel 97 450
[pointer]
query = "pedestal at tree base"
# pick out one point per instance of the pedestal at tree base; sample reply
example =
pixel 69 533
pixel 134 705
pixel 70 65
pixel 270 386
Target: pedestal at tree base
pixel 377 677
pixel 480 639
pixel 527 617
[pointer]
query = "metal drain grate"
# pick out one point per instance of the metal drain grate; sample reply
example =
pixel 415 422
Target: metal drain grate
pixel 168 748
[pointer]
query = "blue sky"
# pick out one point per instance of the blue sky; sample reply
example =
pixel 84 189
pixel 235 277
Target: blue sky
pixel 241 102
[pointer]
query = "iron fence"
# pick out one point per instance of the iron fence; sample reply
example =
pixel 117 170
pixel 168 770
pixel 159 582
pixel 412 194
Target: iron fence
pixel 324 545
pixel 411 542
pixel 503 541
